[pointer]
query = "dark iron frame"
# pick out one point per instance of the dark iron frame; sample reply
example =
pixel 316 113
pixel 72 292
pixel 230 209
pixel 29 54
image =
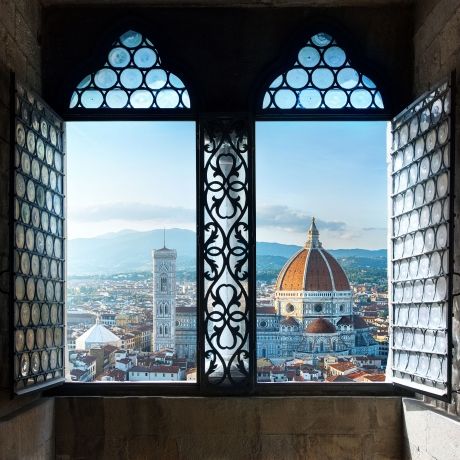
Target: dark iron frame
pixel 450 81
pixel 46 385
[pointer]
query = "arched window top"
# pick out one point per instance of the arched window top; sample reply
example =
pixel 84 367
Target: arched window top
pixel 322 78
pixel 133 77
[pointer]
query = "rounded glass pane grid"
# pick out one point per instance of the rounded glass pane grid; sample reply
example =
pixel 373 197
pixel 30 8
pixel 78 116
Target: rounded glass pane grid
pixel 297 78
pixel 145 57
pixel 285 99
pixel 334 56
pixel 105 78
pixel 323 68
pixel 309 56
pixel 322 78
pixel 132 78
pixel 116 98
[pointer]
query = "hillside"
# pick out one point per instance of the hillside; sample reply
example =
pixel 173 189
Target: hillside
pixel 131 251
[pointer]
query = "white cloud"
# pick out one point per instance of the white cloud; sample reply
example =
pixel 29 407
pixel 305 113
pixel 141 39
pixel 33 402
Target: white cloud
pixel 291 220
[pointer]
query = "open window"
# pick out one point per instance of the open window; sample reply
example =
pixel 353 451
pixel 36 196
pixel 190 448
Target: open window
pixel 133 79
pixel 320 82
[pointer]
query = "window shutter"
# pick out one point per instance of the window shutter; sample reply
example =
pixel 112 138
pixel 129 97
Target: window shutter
pixel 38 243
pixel 421 208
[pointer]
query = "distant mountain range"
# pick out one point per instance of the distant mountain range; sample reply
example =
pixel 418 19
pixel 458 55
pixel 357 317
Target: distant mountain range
pixel 131 251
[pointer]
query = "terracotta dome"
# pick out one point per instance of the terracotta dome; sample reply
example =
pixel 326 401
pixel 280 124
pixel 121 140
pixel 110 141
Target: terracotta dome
pixel 320 326
pixel 359 323
pixel 312 269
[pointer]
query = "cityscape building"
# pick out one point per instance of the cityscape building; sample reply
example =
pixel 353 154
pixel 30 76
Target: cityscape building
pixel 312 313
pixel 164 298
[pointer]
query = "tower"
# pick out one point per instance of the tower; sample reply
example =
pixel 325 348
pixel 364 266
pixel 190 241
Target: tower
pixel 164 298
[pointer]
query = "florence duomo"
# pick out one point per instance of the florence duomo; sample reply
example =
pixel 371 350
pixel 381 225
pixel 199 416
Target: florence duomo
pixel 312 313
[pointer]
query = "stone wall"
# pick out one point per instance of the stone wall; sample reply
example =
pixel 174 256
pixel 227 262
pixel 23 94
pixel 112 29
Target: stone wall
pixel 429 433
pixel 229 428
pixel 29 432
pixel 26 424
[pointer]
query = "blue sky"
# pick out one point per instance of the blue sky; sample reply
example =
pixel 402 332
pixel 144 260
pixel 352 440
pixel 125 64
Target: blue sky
pixel 141 176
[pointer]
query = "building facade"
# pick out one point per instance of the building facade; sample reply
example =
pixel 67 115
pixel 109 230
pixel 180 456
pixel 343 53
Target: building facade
pixel 186 332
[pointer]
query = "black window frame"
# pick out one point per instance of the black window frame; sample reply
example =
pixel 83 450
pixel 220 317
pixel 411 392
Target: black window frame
pixel 255 114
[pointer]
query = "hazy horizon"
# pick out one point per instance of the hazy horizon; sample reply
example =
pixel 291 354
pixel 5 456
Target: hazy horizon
pixel 130 230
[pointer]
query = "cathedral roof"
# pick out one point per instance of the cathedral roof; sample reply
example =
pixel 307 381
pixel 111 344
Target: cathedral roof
pixel 320 326
pixel 289 321
pixel 345 321
pixel 312 268
pixel 359 323
pixel 98 334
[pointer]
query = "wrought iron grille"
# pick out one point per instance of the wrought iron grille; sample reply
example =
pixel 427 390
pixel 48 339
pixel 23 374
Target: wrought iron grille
pixel 38 258
pixel 322 77
pixel 421 285
pixel 132 78
pixel 225 159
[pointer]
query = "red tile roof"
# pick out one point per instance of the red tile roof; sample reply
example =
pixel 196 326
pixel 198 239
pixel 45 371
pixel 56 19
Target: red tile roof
pixel 339 379
pixel 320 326
pixel 289 321
pixel 342 367
pixel 359 323
pixel 374 378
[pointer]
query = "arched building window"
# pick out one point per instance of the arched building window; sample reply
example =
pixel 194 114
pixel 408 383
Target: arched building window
pixel 163 283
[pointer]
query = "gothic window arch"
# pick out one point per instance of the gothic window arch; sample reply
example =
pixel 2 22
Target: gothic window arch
pixel 163 283
pixel 322 77
pixel 133 77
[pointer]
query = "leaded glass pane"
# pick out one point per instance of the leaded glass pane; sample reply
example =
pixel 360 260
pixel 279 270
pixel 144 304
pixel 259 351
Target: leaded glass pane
pixel 322 77
pixel 132 78
pixel 421 221
pixel 225 154
pixel 38 296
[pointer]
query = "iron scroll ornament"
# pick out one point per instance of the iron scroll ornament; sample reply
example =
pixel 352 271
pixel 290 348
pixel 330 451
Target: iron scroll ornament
pixel 225 156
